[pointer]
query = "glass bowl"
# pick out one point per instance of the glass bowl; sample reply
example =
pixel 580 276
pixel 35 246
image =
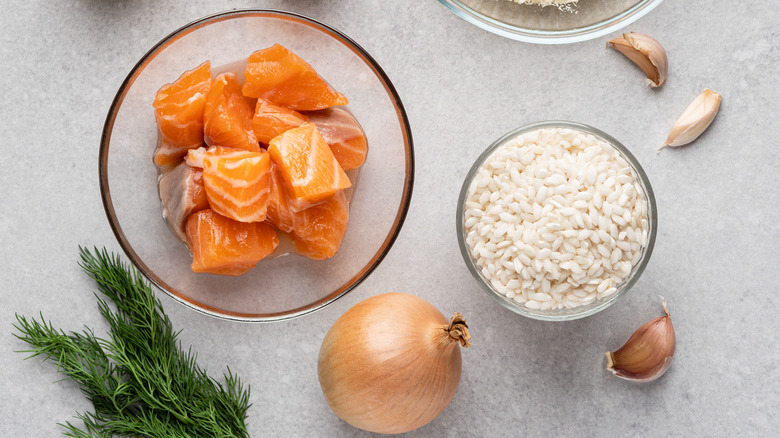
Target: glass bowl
pixel 565 313
pixel 282 287
pixel 582 21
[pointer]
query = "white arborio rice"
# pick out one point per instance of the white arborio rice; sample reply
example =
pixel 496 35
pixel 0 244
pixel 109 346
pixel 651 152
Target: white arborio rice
pixel 555 218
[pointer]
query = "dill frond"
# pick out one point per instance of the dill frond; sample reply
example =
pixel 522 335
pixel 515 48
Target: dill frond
pixel 140 381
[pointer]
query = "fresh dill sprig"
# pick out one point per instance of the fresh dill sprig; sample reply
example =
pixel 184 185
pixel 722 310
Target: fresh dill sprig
pixel 139 380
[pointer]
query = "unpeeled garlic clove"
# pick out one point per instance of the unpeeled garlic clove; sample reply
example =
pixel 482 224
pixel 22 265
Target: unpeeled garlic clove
pixel 648 352
pixel 645 52
pixel 694 120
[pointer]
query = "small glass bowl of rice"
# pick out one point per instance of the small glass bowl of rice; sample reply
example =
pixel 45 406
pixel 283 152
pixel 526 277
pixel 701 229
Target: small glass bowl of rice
pixel 556 220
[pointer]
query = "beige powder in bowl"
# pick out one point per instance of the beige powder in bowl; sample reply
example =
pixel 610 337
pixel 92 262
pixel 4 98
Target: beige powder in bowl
pixel 559 3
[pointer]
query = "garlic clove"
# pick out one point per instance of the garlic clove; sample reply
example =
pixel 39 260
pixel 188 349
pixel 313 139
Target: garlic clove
pixel 644 51
pixel 648 352
pixel 694 120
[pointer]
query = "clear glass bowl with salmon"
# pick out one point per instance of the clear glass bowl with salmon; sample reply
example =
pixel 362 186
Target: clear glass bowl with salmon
pixel 256 165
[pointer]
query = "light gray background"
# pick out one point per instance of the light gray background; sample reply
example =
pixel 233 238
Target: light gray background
pixel 715 260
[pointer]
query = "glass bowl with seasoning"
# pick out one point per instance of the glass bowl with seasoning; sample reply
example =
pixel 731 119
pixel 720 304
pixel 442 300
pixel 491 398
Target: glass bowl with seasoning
pixel 556 220
pixel 551 21
pixel 160 236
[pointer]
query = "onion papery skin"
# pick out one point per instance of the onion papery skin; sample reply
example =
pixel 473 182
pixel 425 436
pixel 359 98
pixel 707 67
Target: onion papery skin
pixel 388 365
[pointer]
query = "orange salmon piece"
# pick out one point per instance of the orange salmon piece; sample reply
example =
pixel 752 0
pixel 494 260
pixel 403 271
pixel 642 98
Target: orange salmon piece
pixel 343 134
pixel 279 214
pixel 320 229
pixel 223 246
pixel 282 77
pixel 271 120
pixel 182 193
pixel 310 171
pixel 227 115
pixel 178 111
pixel 237 182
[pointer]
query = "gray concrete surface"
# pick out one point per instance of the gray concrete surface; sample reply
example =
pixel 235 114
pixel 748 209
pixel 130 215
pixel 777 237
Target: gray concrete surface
pixel 715 260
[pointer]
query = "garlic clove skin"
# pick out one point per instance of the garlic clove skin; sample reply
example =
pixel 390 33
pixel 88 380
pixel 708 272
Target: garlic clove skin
pixel 648 352
pixel 644 51
pixel 696 118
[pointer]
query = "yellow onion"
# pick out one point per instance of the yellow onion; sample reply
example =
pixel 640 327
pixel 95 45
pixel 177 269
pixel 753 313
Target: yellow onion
pixel 391 363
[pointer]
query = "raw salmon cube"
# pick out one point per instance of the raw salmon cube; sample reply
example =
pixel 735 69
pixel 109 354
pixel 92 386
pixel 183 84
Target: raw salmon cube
pixel 279 214
pixel 227 115
pixel 271 120
pixel 223 246
pixel 310 171
pixel 178 111
pixel 282 77
pixel 320 229
pixel 237 182
pixel 182 194
pixel 343 134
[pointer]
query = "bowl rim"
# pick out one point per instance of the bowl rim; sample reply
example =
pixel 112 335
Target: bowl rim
pixel 361 275
pixel 636 270
pixel 535 36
